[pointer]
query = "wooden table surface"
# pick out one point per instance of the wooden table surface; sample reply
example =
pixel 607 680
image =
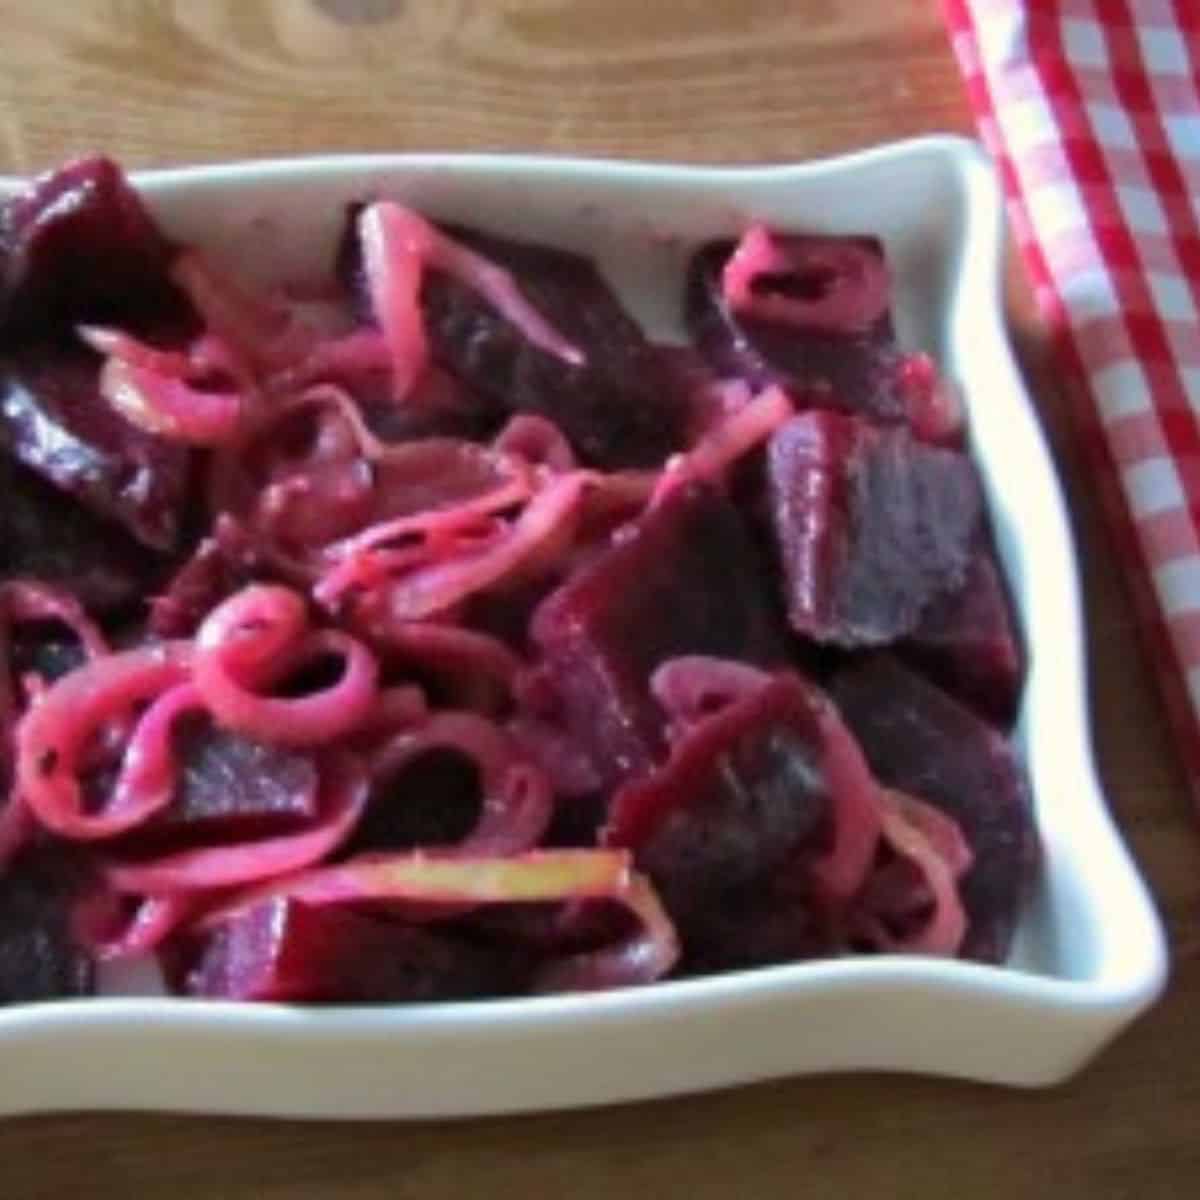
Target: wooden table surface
pixel 731 80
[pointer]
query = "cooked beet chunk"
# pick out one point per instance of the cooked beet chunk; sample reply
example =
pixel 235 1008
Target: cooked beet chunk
pixel 78 245
pixel 919 740
pixel 856 371
pixel 741 792
pixel 46 534
pixel 871 526
pixel 755 926
pixel 684 579
pixel 967 643
pixel 39 959
pixel 231 789
pixel 618 408
pixel 54 420
pixel 283 950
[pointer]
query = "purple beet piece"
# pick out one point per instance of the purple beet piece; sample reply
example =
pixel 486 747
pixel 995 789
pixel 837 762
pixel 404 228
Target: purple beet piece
pixel 920 740
pixel 683 579
pixel 617 408
pixel 46 534
pixel 78 245
pixel 871 526
pixel 231 789
pixel 742 792
pixel 282 950
pixel 853 371
pixel 967 643
pixel 54 420
pixel 39 958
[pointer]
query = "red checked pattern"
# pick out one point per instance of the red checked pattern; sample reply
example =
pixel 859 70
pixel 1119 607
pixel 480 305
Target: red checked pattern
pixel 1091 110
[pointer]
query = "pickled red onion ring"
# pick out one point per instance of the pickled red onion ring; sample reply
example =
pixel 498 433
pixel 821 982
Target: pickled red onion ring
pixel 537 876
pixel 24 600
pixel 693 686
pixel 857 817
pixel 534 538
pixel 857 294
pixel 253 639
pixel 931 842
pixel 517 800
pixel 149 769
pixel 727 440
pixel 169 407
pixel 53 736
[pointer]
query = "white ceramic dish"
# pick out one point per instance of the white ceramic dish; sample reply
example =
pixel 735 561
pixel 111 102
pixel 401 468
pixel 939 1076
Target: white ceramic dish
pixel 1090 952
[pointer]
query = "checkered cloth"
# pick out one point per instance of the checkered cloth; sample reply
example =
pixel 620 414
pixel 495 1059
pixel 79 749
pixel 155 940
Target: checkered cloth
pixel 1091 109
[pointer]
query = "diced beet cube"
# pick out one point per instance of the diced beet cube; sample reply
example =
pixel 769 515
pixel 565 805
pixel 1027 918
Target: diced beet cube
pixel 54 420
pixel 617 408
pixel 39 958
pixel 921 741
pixel 282 950
pixel 855 371
pixel 967 643
pixel 78 245
pixel 871 526
pixel 48 535
pixel 741 792
pixel 683 579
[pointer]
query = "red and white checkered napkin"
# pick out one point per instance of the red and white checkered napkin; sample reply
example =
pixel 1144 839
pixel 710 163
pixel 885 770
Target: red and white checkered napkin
pixel 1091 109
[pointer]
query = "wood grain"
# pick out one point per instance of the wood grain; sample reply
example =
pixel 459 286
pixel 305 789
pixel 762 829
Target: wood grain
pixel 719 80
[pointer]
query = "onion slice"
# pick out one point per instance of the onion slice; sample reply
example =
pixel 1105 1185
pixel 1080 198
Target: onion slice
pixel 536 877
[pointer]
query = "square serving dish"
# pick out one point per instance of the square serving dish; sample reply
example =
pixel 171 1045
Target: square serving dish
pixel 1090 953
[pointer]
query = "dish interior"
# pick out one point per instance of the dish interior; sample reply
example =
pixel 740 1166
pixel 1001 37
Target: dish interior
pixel 937 216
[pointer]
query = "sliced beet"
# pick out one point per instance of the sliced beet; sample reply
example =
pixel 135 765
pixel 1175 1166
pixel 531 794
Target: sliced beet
pixel 282 950
pixel 683 579
pixel 920 740
pixel 967 643
pixel 856 371
pixel 871 526
pixel 78 245
pixel 617 408
pixel 46 534
pixel 39 957
pixel 54 420
pixel 739 796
